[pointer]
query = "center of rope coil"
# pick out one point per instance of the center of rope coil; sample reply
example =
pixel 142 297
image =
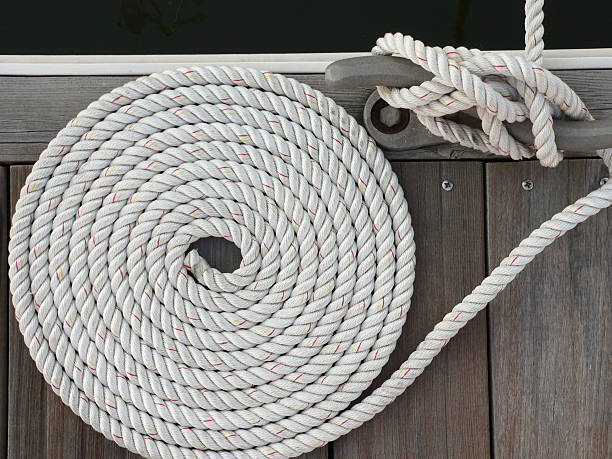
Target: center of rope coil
pixel 216 253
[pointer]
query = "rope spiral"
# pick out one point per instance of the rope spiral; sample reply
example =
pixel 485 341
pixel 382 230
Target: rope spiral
pixel 169 357
pixel 140 336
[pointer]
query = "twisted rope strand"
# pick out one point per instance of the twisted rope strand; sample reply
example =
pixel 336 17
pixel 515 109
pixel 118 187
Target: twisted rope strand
pixel 169 357
pixel 503 88
pixel 164 354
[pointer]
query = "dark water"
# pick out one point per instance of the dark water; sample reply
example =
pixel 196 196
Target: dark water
pixel 202 26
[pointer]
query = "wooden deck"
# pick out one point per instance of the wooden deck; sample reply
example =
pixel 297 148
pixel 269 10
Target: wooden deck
pixel 530 377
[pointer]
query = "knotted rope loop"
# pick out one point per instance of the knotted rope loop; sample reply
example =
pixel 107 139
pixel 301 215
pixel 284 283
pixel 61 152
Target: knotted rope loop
pixel 501 87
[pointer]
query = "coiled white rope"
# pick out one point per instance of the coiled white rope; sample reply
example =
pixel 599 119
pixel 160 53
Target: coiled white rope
pixel 171 358
pixel 167 356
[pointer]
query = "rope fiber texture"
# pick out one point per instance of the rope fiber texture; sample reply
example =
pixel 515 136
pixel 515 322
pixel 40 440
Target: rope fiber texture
pixel 162 353
pixel 501 87
pixel 169 357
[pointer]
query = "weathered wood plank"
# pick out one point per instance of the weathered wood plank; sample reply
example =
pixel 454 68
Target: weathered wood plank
pixel 20 153
pixel 35 108
pixel 27 153
pixel 446 412
pixel 550 341
pixel 40 425
pixel 4 294
pixel 26 391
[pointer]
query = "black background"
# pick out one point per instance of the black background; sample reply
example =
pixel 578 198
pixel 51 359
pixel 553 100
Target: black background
pixel 223 26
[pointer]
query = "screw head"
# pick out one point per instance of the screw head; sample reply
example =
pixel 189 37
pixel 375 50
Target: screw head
pixel 387 119
pixel 527 185
pixel 603 181
pixel 390 116
pixel 447 185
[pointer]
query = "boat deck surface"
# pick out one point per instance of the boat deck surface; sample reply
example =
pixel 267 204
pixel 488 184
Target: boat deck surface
pixel 530 377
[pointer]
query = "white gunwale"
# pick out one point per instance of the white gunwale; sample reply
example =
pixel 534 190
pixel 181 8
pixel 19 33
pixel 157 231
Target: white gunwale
pixel 596 58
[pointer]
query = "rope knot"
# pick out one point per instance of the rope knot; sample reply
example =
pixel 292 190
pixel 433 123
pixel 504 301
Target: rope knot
pixel 497 88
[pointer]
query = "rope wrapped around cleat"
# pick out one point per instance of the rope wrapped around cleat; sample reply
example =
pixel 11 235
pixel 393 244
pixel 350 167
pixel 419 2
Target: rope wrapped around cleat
pixel 166 355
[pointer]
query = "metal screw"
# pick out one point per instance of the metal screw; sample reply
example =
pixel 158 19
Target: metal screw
pixel 384 118
pixel 603 181
pixel 390 116
pixel 527 185
pixel 447 185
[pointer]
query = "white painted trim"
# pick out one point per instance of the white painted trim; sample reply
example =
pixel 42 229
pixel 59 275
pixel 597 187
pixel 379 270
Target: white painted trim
pixel 285 63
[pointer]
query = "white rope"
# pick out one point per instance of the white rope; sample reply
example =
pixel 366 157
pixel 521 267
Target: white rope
pixel 171 358
pixel 503 88
pixel 158 351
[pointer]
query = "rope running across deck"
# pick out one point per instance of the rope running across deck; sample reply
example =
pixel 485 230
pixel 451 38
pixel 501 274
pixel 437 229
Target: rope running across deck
pixel 169 357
